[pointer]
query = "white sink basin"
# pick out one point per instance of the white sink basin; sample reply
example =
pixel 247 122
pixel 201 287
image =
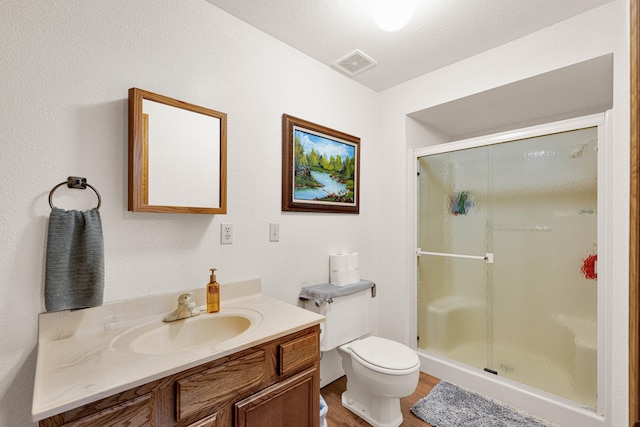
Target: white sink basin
pixel 204 330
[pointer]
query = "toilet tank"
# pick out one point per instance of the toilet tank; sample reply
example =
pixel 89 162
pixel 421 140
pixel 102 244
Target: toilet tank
pixel 348 317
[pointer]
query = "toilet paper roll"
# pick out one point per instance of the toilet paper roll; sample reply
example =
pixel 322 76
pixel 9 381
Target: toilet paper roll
pixel 338 261
pixel 339 277
pixel 353 275
pixel 353 260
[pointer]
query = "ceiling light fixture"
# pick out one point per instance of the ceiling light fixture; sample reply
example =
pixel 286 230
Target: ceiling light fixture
pixel 391 15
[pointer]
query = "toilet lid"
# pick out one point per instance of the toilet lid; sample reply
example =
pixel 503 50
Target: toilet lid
pixel 385 353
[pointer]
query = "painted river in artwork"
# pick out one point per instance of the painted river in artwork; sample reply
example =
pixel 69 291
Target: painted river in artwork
pixel 330 185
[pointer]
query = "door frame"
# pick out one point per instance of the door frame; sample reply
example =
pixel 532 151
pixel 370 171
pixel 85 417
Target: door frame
pixel 603 121
pixel 634 216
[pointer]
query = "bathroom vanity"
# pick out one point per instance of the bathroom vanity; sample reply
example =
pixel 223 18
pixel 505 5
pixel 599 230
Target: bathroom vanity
pixel 90 371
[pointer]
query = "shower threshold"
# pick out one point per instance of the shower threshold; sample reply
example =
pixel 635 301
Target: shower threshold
pixel 533 400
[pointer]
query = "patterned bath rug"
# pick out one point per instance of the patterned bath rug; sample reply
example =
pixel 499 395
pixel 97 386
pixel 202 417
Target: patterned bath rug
pixel 451 406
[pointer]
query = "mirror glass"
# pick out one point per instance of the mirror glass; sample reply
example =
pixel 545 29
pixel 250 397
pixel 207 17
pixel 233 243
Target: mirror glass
pixel 177 156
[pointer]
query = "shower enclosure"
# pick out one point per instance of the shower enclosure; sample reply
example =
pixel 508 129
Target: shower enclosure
pixel 507 257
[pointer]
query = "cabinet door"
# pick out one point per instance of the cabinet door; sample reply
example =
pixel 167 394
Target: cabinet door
pixel 294 402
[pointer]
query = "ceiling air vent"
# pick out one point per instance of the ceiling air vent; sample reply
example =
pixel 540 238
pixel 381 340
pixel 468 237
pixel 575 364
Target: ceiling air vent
pixel 354 63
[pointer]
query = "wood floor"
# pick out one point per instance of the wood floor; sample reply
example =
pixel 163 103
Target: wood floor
pixel 338 416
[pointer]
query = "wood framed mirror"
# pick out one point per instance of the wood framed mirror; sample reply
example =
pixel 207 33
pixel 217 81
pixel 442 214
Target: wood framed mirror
pixel 177 156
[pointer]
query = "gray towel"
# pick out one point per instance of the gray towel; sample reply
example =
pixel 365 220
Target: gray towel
pixel 325 292
pixel 74 274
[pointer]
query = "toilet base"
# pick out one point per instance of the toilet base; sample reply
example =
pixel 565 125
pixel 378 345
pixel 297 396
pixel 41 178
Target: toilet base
pixel 387 408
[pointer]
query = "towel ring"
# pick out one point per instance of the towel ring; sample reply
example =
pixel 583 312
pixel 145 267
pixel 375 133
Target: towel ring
pixel 75 182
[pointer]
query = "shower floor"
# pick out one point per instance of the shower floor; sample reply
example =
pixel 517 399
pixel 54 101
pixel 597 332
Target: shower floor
pixel 528 368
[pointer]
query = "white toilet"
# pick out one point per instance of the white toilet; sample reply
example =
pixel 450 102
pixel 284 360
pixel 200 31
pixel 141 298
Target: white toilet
pixel 379 371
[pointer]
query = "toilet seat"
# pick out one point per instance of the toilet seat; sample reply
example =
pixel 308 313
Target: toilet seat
pixel 385 356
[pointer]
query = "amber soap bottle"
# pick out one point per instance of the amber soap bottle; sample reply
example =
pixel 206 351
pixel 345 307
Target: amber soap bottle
pixel 213 293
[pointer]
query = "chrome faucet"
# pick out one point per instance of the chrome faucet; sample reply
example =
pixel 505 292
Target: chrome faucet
pixel 186 308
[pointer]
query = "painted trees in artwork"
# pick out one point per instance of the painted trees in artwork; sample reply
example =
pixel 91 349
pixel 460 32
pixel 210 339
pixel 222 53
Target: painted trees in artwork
pixel 341 168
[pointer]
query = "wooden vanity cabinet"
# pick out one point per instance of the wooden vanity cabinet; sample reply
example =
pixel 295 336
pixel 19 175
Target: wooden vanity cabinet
pixel 272 384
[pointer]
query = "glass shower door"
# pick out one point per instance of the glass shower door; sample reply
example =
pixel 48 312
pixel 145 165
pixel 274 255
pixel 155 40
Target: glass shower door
pixel 453 275
pixel 529 311
pixel 544 278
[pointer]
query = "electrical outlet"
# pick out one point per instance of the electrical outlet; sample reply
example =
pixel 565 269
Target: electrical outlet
pixel 226 234
pixel 274 232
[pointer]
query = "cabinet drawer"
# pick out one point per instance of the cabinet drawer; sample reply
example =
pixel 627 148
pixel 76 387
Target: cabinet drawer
pixel 210 421
pixel 298 353
pixel 202 394
pixel 133 413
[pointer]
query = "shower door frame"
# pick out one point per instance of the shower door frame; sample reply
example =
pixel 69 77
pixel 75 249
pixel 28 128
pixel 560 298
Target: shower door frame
pixel 604 221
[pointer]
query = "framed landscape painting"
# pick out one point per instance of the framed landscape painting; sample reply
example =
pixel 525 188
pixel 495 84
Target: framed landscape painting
pixel 321 168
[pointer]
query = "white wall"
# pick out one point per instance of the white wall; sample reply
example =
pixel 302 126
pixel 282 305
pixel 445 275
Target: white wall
pixel 66 68
pixel 601 31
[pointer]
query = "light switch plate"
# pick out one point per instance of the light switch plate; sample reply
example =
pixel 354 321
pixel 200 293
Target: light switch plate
pixel 274 232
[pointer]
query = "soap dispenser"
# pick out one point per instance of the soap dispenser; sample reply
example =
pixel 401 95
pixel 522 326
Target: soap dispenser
pixel 213 294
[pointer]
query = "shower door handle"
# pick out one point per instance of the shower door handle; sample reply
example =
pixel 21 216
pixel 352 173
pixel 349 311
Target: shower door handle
pixel 488 257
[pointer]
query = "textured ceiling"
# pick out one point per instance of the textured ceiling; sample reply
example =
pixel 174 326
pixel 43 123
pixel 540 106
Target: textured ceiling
pixel 439 33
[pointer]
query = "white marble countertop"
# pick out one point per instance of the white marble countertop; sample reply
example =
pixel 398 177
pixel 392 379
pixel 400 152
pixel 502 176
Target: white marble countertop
pixel 78 363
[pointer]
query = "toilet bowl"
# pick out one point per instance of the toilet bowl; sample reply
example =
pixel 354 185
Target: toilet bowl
pixel 379 372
